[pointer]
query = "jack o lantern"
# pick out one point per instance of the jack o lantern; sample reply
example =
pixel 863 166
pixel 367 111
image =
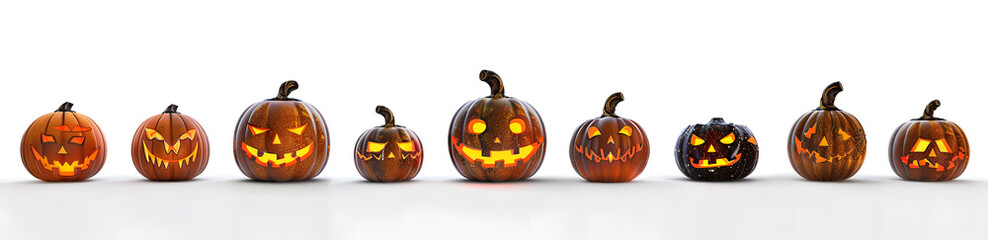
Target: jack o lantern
pixel 170 146
pixel 388 153
pixel 929 148
pixel 717 151
pixel 609 148
pixel 63 146
pixel 496 138
pixel 827 144
pixel 281 139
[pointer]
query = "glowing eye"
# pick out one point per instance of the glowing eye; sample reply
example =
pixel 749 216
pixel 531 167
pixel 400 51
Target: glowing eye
pixel 47 138
pixel 593 132
pixel 728 140
pixel 517 125
pixel 921 145
pixel 477 126
pixel 256 130
pixel 191 134
pixel 153 135
pixel 77 140
pixel 626 130
pixel 298 130
pixel 407 146
pixel 375 146
pixel 942 144
pixel 843 134
pixel 696 141
pixel 810 131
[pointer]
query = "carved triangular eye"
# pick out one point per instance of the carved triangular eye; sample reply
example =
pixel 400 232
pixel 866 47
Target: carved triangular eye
pixel 696 141
pixel 593 132
pixel 375 146
pixel 921 145
pixel 407 146
pixel 626 130
pixel 810 131
pixel 728 139
pixel 153 135
pixel 942 145
pixel 191 134
pixel 298 130
pixel 843 135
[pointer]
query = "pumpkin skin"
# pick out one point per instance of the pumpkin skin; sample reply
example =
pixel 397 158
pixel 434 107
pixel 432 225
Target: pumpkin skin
pixel 63 146
pixel 827 144
pixel 388 153
pixel 717 151
pixel 170 146
pixel 929 148
pixel 496 138
pixel 281 139
pixel 609 148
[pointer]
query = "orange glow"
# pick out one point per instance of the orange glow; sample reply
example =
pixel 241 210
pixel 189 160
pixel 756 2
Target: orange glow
pixel 720 162
pixel 728 139
pixel 517 125
pixel 810 131
pixel 65 169
pixel 77 140
pixel 626 130
pixel 473 155
pixel 752 140
pixel 476 126
pixel 921 145
pixel 598 156
pixel 942 145
pixel 824 143
pixel 298 130
pixel 696 141
pixel 593 132
pixel 256 130
pixel 843 134
pixel 47 138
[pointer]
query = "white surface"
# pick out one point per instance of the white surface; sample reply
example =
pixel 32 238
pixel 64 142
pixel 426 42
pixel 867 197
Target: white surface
pixel 758 63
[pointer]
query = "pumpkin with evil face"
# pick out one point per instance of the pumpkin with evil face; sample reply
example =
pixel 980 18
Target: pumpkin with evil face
pixel 170 146
pixel 609 148
pixel 388 153
pixel 717 151
pixel 63 146
pixel 929 148
pixel 496 138
pixel 281 139
pixel 827 144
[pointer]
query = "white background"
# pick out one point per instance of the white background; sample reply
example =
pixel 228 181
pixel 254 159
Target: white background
pixel 758 63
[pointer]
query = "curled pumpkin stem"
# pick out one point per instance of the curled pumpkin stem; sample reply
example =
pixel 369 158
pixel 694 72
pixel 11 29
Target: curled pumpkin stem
pixel 611 104
pixel 171 109
pixel 389 118
pixel 928 112
pixel 492 79
pixel 66 107
pixel 829 95
pixel 286 88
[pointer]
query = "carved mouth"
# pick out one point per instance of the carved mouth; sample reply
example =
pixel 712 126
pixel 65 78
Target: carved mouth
pixel 720 162
pixel 816 155
pixel 927 163
pixel 589 154
pixel 272 160
pixel 508 157
pixel 65 169
pixel 158 161
pixel 378 157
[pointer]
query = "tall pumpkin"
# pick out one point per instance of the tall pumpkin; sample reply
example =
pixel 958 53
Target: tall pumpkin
pixel 496 138
pixel 281 139
pixel 388 153
pixel 827 144
pixel 717 151
pixel 609 148
pixel 63 146
pixel 929 148
pixel 170 146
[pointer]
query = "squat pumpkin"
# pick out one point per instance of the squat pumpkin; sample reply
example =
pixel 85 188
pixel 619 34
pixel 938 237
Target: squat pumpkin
pixel 929 148
pixel 388 153
pixel 827 144
pixel 717 151
pixel 609 148
pixel 63 146
pixel 170 146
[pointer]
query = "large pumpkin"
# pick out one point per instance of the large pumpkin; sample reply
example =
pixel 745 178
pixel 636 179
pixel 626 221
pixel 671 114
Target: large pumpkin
pixel 170 146
pixel 388 153
pixel 827 144
pixel 717 151
pixel 496 138
pixel 609 148
pixel 929 148
pixel 281 139
pixel 63 146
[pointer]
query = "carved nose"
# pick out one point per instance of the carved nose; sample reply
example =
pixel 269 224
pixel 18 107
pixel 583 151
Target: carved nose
pixel 391 155
pixel 711 149
pixel 824 143
pixel 497 140
pixel 276 139
pixel 933 153
pixel 610 140
pixel 172 148
pixel 62 151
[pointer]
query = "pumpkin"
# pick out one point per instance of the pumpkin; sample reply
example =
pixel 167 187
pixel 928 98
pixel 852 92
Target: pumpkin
pixel 609 148
pixel 716 151
pixel 388 153
pixel 496 138
pixel 63 146
pixel 827 144
pixel 170 146
pixel 281 139
pixel 929 148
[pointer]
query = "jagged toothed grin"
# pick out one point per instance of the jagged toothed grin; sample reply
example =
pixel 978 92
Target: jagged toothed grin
pixel 610 157
pixel 65 169
pixel 509 157
pixel 272 160
pixel 164 162
pixel 720 162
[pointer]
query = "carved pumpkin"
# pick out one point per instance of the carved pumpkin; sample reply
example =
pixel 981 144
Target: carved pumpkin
pixel 281 139
pixel 496 138
pixel 170 146
pixel 827 144
pixel 929 148
pixel 609 148
pixel 717 151
pixel 63 146
pixel 388 153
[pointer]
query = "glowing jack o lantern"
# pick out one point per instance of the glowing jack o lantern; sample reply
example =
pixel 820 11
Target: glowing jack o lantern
pixel 388 153
pixel 609 148
pixel 827 144
pixel 717 151
pixel 170 146
pixel 496 138
pixel 63 146
pixel 929 148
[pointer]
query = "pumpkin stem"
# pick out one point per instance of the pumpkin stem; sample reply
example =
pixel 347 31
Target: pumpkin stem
pixel 389 118
pixel 286 88
pixel 492 79
pixel 829 95
pixel 611 104
pixel 928 112
pixel 66 107
pixel 716 120
pixel 171 109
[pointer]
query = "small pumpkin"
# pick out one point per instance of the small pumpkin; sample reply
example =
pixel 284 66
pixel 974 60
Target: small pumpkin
pixel 827 144
pixel 496 138
pixel 388 153
pixel 170 146
pixel 609 148
pixel 717 151
pixel 63 146
pixel 929 148
pixel 281 139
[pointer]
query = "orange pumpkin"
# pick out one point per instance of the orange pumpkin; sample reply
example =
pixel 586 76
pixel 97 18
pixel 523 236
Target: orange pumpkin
pixel 388 153
pixel 63 146
pixel 827 144
pixel 170 146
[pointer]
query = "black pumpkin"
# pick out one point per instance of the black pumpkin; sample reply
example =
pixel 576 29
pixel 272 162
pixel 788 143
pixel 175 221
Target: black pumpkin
pixel 717 151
